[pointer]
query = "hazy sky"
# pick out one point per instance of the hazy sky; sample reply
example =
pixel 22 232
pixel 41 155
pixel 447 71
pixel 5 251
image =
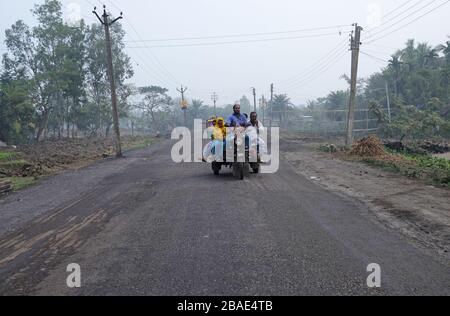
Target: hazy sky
pixel 232 69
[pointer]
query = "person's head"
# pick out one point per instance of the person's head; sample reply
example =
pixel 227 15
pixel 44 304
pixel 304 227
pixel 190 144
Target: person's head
pixel 237 108
pixel 253 117
pixel 220 122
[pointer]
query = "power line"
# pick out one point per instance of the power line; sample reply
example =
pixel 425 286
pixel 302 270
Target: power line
pixel 167 77
pixel 163 75
pixel 143 64
pixel 113 4
pixel 318 64
pixel 398 15
pixel 237 42
pixel 307 76
pixel 378 52
pixel 409 23
pixel 151 72
pixel 241 35
pixel 323 69
pixel 375 58
pixel 398 8
pixel 401 20
pixel 162 68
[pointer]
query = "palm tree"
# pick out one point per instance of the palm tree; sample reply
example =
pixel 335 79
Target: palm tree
pixel 409 53
pixel 445 48
pixel 197 108
pixel 395 64
pixel 281 104
pixel 423 50
pixel 432 58
pixel 337 100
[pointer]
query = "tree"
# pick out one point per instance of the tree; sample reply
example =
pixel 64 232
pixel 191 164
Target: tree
pixel 281 104
pixel 445 48
pixel 246 105
pixel 16 110
pixel 156 104
pixel 197 109
pixel 395 65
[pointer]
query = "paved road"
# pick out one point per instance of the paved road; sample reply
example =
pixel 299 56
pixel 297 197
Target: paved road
pixel 146 226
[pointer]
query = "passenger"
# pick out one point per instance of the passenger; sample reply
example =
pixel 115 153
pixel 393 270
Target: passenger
pixel 253 132
pixel 220 131
pixel 237 119
pixel 255 123
pixel 219 139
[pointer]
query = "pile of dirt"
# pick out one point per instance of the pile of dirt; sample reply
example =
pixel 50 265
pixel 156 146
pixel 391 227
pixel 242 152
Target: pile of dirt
pixel 368 147
pixel 51 156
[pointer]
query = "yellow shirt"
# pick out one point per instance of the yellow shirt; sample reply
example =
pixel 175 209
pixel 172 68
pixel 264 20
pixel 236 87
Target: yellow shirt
pixel 219 133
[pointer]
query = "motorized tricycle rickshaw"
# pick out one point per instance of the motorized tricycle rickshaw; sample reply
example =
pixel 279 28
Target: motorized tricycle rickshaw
pixel 237 154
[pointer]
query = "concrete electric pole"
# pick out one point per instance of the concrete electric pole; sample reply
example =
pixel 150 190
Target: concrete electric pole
pixel 104 21
pixel 355 42
pixel 271 104
pixel 254 99
pixel 214 98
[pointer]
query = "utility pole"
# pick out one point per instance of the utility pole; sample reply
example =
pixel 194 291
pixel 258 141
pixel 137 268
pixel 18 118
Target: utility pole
pixel 115 112
pixel 215 97
pixel 271 104
pixel 388 102
pixel 355 42
pixel 254 99
pixel 263 107
pixel 183 103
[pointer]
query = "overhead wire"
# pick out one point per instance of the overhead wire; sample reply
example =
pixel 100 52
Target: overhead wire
pixel 410 22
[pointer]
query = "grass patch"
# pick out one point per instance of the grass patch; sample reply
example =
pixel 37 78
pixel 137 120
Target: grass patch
pixel 7 156
pixel 328 148
pixel 13 163
pixel 20 183
pixel 431 169
pixel 138 144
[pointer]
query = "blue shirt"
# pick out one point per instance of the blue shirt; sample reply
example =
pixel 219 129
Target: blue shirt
pixel 238 119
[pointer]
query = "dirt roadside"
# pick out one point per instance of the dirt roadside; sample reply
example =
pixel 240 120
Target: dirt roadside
pixel 417 210
pixel 26 164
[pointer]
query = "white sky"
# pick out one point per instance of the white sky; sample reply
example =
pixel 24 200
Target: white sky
pixel 231 70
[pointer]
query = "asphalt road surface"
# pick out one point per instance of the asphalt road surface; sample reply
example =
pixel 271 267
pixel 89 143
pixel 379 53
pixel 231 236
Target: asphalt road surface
pixel 144 225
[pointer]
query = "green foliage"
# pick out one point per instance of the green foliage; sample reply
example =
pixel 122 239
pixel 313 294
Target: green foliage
pixel 6 156
pixel 425 167
pixel 16 110
pixel 156 106
pixel 54 78
pixel 415 123
pixel 20 183
pixel 418 81
pixel 281 103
